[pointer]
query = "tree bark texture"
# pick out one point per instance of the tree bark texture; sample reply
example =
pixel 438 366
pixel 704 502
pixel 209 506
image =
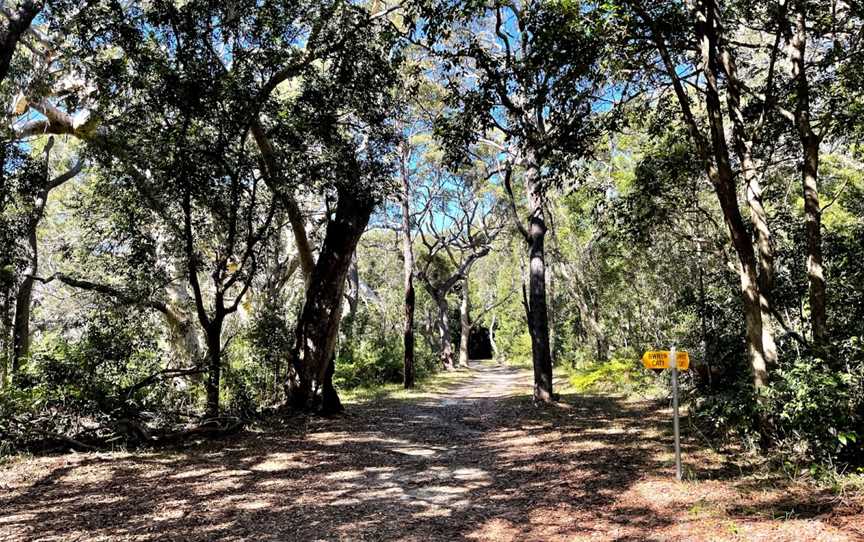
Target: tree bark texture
pixel 15 29
pixel 444 338
pixel 408 273
pixel 810 181
pixel 743 144
pixel 311 385
pixel 23 302
pixel 538 321
pixel 721 174
pixel 214 365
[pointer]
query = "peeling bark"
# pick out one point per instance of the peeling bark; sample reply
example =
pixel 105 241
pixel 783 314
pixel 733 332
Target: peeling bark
pixel 743 145
pixel 721 174
pixel 714 155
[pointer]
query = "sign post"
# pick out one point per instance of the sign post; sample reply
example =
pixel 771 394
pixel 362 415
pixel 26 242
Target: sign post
pixel 673 360
pixel 674 365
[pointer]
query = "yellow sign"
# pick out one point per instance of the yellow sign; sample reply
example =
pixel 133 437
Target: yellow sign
pixel 659 359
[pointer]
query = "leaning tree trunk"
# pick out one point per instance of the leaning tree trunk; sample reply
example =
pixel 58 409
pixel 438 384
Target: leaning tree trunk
pixel 758 217
pixel 18 23
pixel 722 177
pixel 465 324
pixel 311 384
pixel 809 180
pixel 538 321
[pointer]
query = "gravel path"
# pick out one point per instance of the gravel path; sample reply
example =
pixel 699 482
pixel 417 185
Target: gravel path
pixel 477 462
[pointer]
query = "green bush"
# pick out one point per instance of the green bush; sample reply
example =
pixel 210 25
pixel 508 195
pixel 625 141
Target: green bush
pixel 808 412
pixel 621 374
pixel 815 413
pixel 82 388
pixel 370 362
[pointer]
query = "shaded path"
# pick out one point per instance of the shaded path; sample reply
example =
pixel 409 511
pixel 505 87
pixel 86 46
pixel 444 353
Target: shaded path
pixel 477 462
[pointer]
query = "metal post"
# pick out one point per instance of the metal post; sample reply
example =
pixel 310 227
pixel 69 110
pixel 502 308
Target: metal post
pixel 673 363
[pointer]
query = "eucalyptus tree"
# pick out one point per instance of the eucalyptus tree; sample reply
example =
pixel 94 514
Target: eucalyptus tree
pixel 197 72
pixel 34 198
pixel 673 33
pixel 180 166
pixel 457 226
pixel 27 176
pixel 734 52
pixel 346 133
pixel 824 41
pixel 525 79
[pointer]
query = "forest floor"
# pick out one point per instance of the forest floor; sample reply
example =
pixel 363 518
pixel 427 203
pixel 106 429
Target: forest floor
pixel 475 461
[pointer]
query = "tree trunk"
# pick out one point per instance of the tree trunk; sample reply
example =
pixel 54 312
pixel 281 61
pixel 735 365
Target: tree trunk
pixel 23 301
pixel 446 348
pixel 16 26
pixel 538 322
pixel 465 324
pixel 703 324
pixel 813 224
pixel 550 290
pixel 721 174
pixel 408 333
pixel 810 181
pixel 353 298
pixel 408 270
pixel 311 386
pixel 758 217
pixel 214 365
pixel 765 261
pixel 6 330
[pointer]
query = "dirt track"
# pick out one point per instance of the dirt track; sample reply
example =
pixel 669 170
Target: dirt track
pixel 478 462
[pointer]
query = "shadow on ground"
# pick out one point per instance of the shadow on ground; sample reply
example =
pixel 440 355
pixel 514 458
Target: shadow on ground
pixel 473 463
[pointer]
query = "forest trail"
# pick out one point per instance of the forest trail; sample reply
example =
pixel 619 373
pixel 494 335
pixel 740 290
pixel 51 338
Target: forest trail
pixel 474 462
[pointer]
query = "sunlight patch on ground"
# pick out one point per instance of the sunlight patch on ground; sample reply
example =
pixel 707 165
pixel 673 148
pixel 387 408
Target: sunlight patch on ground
pixel 495 529
pixel 256 504
pixel 169 510
pixel 194 473
pixel 417 451
pixel 345 475
pixel 279 461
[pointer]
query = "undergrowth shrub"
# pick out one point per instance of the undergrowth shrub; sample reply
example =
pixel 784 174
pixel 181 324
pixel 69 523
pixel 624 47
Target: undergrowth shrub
pixel 808 413
pixel 621 374
pixel 372 361
pixel 84 387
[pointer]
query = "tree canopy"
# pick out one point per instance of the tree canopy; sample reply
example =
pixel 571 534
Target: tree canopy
pixel 213 213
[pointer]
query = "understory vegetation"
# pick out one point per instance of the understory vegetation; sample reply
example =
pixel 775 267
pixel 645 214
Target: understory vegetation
pixel 215 214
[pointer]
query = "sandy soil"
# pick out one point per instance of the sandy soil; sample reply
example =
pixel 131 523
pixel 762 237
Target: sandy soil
pixel 477 462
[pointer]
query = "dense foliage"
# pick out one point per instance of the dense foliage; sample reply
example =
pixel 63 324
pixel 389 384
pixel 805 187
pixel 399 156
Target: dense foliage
pixel 212 213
